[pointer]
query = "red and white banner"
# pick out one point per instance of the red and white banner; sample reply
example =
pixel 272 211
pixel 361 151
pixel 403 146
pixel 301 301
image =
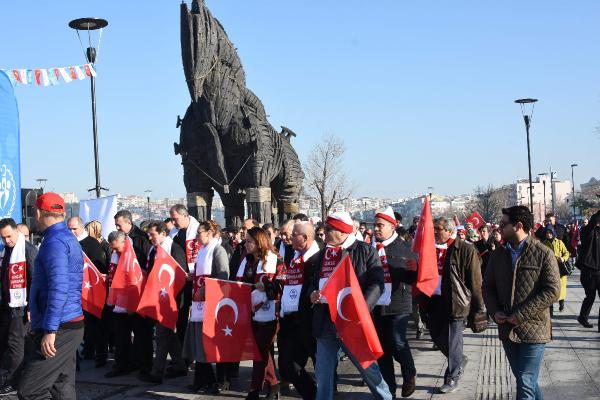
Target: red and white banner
pixel 128 281
pixel 49 76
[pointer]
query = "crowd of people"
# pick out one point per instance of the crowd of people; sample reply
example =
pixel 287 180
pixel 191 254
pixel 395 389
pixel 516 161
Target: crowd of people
pixel 512 274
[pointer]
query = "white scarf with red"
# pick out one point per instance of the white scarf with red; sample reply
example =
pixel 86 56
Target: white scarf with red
pixel 294 279
pixel 202 270
pixel 386 297
pixel 441 250
pixel 191 244
pixel 17 274
pixel 331 258
pixel 264 309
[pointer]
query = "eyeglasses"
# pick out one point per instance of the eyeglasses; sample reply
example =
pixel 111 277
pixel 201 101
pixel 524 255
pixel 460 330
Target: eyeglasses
pixel 320 234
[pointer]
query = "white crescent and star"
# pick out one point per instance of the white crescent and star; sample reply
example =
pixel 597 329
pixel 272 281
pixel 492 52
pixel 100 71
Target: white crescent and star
pixel 141 277
pixel 330 253
pixel 12 268
pixel 86 265
pixel 170 271
pixel 226 301
pixel 340 298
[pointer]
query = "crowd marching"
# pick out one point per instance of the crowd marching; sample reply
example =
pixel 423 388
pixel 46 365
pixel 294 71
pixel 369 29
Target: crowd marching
pixel 184 295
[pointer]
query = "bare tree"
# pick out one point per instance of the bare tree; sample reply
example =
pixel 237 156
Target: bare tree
pixel 325 178
pixel 489 202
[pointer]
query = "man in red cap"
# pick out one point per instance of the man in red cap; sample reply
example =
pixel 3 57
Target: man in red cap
pixel 394 307
pixel 340 240
pixel 55 306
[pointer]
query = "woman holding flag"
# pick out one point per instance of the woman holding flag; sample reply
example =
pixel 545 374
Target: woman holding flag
pixel 212 262
pixel 263 268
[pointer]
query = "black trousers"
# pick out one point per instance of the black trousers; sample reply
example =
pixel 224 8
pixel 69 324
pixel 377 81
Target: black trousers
pixel 52 378
pixel 123 327
pixel 590 280
pixel 391 330
pixel 143 349
pixel 95 336
pixel 296 345
pixel 13 331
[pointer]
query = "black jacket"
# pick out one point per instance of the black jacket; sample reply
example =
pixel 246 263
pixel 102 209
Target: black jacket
pixel 30 254
pixel 236 259
pixel 289 252
pixel 589 250
pixel 369 273
pixel 397 253
pixel 141 245
pixel 93 249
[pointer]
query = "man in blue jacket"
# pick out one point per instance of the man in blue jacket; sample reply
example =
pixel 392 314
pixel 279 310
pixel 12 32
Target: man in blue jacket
pixel 55 307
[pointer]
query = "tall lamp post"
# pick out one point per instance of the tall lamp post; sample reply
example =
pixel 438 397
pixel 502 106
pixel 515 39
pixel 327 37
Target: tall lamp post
pixel 92 24
pixel 524 103
pixel 544 185
pixel 573 192
pixel 148 191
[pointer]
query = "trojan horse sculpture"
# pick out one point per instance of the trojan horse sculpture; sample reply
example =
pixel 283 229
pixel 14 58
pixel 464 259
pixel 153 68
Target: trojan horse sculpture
pixel 226 143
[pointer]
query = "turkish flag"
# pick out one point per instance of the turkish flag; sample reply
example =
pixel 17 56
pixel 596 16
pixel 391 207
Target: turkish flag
pixel 128 282
pixel 159 300
pixel 227 328
pixel 476 219
pixel 93 288
pixel 424 244
pixel 351 316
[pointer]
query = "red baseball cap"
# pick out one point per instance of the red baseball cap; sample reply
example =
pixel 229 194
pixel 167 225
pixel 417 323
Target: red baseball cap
pixel 50 202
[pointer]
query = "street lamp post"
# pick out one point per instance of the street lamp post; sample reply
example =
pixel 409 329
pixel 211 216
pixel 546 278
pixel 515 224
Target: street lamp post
pixel 552 191
pixel 148 191
pixel 91 24
pixel 527 120
pixel 573 192
pixel 544 185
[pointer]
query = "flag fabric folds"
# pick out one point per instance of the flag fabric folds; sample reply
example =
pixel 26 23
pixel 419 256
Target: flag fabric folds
pixel 350 314
pixel 424 245
pixel 128 282
pixel 164 283
pixel 227 328
pixel 93 288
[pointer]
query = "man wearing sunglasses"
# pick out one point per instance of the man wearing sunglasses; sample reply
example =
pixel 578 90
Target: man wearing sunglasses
pixel 521 282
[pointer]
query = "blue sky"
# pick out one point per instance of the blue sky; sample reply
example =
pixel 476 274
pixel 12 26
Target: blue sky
pixel 421 92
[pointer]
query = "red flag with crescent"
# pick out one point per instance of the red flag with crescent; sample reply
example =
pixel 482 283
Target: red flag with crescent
pixel 227 329
pixel 424 244
pixel 93 288
pixel 128 282
pixel 165 281
pixel 350 314
pixel 476 219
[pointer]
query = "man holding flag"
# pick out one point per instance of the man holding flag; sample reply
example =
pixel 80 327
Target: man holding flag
pixel 457 296
pixel 172 269
pixel 367 272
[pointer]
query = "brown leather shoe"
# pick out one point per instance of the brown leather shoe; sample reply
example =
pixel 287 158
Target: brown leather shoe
pixel 408 387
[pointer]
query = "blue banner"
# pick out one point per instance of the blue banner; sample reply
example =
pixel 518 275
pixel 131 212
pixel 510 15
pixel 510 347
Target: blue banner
pixel 10 161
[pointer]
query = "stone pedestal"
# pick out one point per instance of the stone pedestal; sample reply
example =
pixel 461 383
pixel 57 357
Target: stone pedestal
pixel 199 204
pixel 259 204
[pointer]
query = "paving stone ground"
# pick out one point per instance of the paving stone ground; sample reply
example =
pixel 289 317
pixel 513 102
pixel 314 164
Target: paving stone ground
pixel 570 370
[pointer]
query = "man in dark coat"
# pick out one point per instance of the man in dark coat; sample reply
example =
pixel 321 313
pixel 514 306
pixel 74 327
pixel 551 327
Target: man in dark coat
pixel 369 273
pixel 167 341
pixel 394 307
pixel 95 335
pixel 14 321
pixel 560 229
pixel 588 261
pixel 142 327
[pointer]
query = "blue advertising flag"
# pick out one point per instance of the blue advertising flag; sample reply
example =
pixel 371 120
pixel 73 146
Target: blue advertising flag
pixel 10 161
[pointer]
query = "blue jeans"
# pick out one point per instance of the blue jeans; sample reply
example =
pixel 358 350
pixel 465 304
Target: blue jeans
pixel 327 350
pixel 525 360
